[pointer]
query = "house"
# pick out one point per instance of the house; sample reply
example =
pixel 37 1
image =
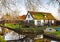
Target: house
pixel 25 20
pixel 22 18
pixel 40 18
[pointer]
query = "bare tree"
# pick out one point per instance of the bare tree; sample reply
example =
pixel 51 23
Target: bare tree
pixel 53 2
pixel 15 14
pixel 7 3
pixel 32 4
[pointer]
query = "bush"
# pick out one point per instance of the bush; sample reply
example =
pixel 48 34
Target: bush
pixel 1 39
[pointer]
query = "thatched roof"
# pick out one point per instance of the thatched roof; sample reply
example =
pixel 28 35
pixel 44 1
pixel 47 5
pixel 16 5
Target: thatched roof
pixel 42 15
pixel 22 18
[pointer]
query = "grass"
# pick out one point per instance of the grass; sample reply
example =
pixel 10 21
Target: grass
pixel 36 30
pixel 30 29
pixel 57 33
pixel 53 26
pixel 10 25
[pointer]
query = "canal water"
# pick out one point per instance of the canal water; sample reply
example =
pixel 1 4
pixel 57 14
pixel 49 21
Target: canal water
pixel 9 37
pixel 14 36
pixel 49 40
pixel 53 41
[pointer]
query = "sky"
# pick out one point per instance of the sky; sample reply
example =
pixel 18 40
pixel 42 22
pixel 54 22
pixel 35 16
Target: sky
pixel 44 6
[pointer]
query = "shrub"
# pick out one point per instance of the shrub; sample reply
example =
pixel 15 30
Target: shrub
pixel 1 39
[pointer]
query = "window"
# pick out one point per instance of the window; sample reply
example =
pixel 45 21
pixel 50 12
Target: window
pixel 28 16
pixel 38 23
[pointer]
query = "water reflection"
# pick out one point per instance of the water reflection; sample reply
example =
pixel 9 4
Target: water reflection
pixel 49 40
pixel 53 41
pixel 39 38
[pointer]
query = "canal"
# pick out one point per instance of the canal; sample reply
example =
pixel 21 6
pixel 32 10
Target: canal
pixel 38 38
pixel 50 38
pixel 11 37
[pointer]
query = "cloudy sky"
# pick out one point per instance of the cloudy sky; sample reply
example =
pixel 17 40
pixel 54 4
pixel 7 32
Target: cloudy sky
pixel 43 6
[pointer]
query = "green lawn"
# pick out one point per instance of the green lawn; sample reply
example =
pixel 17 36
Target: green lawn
pixel 57 33
pixel 10 25
pixel 53 26
pixel 30 29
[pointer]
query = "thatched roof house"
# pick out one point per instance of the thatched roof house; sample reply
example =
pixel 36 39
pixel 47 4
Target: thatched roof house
pixel 41 15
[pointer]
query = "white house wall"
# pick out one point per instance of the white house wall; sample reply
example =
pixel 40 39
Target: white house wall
pixel 46 21
pixel 52 21
pixel 31 18
pixel 42 22
pixel 35 22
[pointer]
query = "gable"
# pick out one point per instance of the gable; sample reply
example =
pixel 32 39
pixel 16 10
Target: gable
pixel 29 17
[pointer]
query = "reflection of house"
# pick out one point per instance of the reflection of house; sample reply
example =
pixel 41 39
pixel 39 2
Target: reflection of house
pixel 40 18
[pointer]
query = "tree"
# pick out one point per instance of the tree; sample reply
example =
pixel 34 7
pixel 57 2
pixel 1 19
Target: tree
pixel 15 14
pixel 7 5
pixel 2 39
pixel 53 2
